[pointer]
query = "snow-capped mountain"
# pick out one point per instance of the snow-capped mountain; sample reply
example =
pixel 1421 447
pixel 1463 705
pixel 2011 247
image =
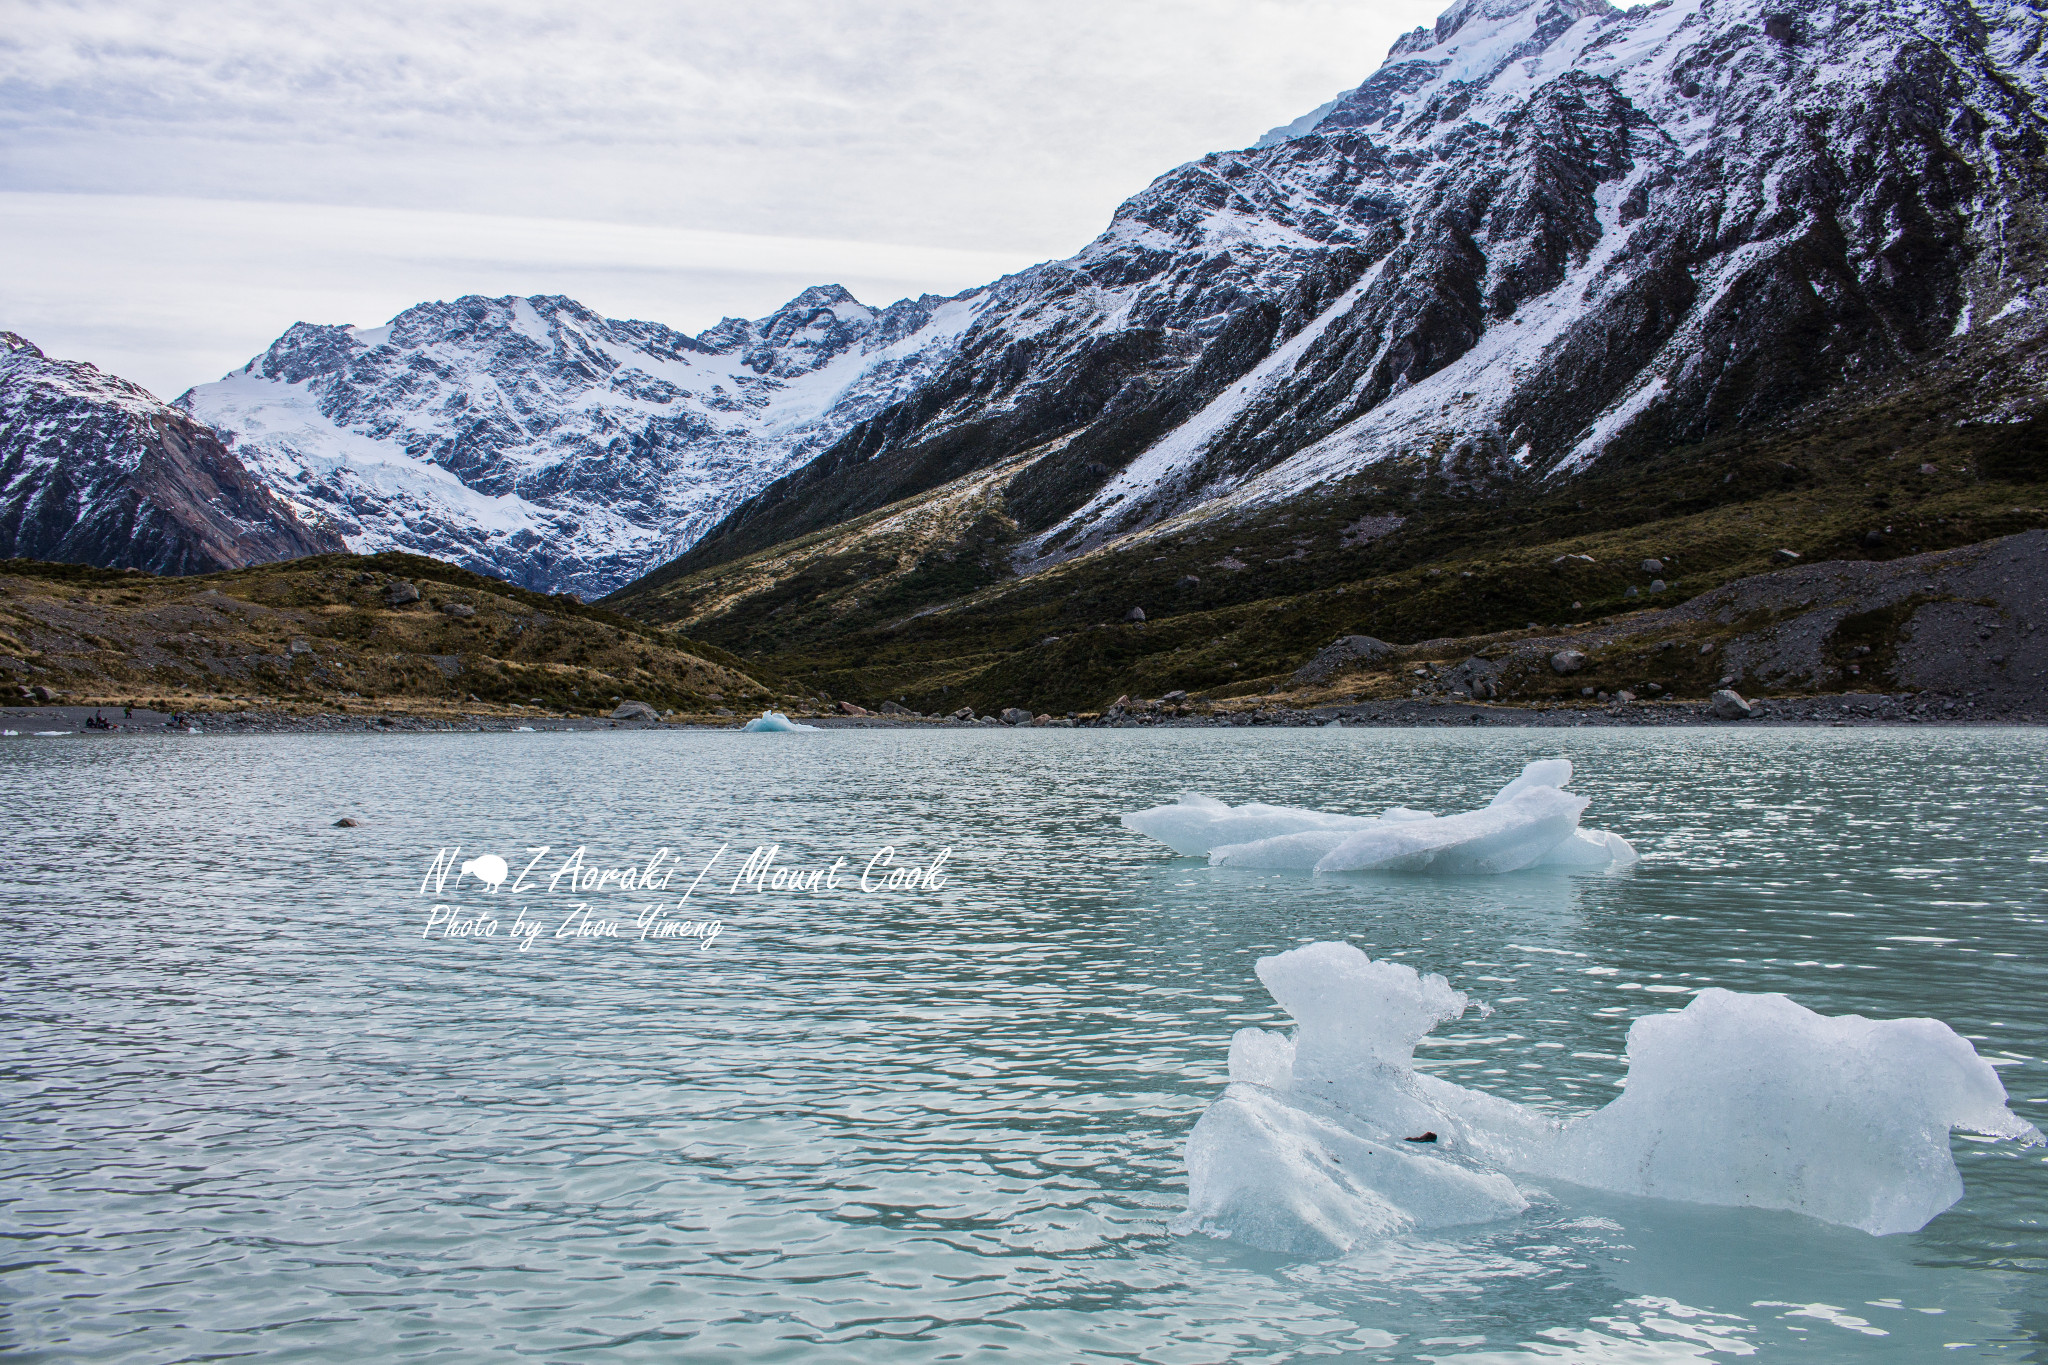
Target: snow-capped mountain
pixel 96 470
pixel 537 441
pixel 1543 233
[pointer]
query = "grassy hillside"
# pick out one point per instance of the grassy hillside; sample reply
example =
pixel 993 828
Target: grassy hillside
pixel 324 632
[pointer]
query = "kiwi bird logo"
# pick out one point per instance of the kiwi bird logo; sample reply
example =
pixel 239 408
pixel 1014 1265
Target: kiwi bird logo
pixel 487 868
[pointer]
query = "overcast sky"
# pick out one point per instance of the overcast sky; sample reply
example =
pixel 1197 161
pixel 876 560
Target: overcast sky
pixel 180 181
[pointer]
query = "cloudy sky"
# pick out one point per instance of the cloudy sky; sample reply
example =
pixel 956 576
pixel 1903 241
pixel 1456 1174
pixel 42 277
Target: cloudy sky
pixel 180 180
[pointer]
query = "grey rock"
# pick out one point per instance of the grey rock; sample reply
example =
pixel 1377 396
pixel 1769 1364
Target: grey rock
pixel 1187 583
pixel 634 710
pixel 1567 661
pixel 301 645
pixel 401 593
pixel 1728 705
pixel 1135 614
pixel 1350 651
pixel 1016 715
pixel 1657 585
pixel 459 609
pixel 1652 567
pixel 347 822
pixel 890 708
pixel 964 713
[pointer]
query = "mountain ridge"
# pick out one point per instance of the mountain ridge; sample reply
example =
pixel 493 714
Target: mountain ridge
pixel 537 440
pixel 96 469
pixel 1807 193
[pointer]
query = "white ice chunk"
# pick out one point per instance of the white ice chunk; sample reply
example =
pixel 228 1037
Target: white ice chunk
pixel 1591 848
pixel 1529 823
pixel 1285 852
pixel 1291 1178
pixel 1544 772
pixel 1737 1099
pixel 1200 823
pixel 774 721
pixel 1502 838
pixel 1307 1149
pixel 1261 1058
pixel 1756 1100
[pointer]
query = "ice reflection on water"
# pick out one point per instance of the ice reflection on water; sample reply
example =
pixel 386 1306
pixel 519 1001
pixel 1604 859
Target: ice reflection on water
pixel 249 1112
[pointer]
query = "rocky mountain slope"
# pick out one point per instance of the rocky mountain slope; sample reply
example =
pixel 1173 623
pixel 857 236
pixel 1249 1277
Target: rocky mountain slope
pixel 1545 234
pixel 917 602
pixel 96 470
pixel 536 441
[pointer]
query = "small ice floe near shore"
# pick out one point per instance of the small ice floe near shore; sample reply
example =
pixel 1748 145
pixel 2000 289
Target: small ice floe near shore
pixel 1532 822
pixel 1331 1136
pixel 774 720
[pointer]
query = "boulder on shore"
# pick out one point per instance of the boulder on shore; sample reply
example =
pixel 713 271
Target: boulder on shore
pixel 1729 705
pixel 1349 651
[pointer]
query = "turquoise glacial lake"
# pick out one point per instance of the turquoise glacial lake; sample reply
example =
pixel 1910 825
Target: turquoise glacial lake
pixel 254 1108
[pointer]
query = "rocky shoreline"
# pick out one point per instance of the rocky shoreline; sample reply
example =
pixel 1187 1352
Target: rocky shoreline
pixel 1846 709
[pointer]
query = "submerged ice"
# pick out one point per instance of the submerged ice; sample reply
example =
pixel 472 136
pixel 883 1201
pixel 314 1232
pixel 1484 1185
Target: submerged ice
pixel 1532 822
pixel 1331 1136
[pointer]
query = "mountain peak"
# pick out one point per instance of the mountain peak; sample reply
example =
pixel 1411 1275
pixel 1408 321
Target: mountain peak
pixel 1490 15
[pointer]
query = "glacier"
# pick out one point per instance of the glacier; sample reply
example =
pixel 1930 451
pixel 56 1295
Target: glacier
pixel 1331 1136
pixel 1531 822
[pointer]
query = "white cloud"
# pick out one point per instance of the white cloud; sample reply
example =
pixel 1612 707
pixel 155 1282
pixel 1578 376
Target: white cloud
pixel 1005 127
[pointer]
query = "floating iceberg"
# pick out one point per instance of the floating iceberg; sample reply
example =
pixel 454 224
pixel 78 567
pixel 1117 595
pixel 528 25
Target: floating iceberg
pixel 1530 823
pixel 776 721
pixel 1332 1136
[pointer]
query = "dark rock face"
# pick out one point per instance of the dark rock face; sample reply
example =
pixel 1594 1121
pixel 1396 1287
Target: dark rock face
pixel 95 470
pixel 1545 233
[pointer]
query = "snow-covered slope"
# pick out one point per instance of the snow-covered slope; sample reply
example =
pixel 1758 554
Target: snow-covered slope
pixel 537 441
pixel 1661 222
pixel 1543 233
pixel 96 470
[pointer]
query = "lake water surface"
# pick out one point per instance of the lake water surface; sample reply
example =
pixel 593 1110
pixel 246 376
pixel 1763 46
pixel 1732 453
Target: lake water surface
pixel 249 1112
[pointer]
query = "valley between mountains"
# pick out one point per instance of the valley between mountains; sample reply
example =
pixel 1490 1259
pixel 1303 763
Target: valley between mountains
pixel 1560 292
